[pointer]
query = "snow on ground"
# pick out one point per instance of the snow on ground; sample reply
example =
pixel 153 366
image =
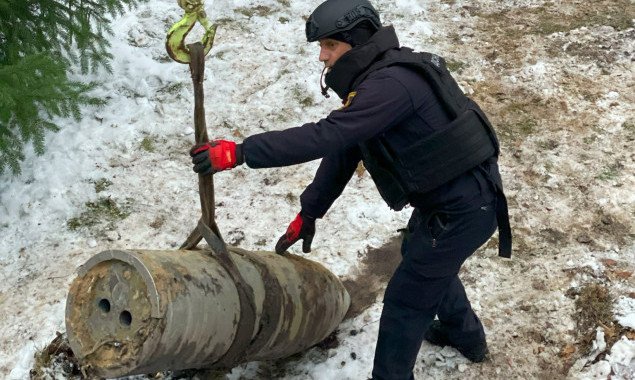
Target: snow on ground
pixel 556 82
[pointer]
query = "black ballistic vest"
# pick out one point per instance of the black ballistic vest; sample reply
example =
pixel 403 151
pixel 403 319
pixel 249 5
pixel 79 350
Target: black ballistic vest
pixel 427 163
pixel 466 142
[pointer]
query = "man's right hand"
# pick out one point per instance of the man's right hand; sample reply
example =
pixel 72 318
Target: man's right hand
pixel 302 227
pixel 214 156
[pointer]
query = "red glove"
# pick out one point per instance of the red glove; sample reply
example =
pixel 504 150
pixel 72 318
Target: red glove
pixel 214 156
pixel 302 227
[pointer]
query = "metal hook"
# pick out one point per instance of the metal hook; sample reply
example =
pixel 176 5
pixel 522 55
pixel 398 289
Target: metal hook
pixel 175 43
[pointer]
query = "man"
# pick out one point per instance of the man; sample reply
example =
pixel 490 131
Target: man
pixel 425 144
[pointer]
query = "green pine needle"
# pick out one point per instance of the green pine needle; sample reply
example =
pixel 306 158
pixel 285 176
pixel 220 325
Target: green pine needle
pixel 34 86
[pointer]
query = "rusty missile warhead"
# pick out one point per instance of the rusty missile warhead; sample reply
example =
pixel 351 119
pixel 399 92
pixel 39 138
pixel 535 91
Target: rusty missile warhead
pixel 135 312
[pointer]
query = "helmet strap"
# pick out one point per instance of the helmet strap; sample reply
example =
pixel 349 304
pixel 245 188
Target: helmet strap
pixel 323 85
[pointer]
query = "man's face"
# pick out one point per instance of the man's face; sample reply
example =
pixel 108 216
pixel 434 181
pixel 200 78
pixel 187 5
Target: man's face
pixel 331 50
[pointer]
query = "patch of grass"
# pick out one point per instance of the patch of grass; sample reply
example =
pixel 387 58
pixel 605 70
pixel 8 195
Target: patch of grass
pixel 147 144
pixel 158 222
pixel 590 139
pixel 548 167
pixel 172 88
pixel 284 3
pixel 520 115
pixel 281 117
pixel 549 19
pixel 302 97
pixel 520 129
pixel 509 29
pixel 259 10
pixel 548 144
pixel 629 128
pixel 515 111
pixel 594 307
pixel 104 209
pixel 102 184
pixel 455 66
pixel 283 20
pixel 455 38
pixel 292 198
pixel 590 90
pixel 611 172
pixel 224 21
pixel 618 15
pixel 502 21
pixel 307 101
pixel 526 126
pixel 548 26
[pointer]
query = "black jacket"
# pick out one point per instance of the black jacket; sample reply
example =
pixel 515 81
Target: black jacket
pixel 395 102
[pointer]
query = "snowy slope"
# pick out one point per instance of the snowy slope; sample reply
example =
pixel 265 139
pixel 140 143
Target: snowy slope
pixel 262 75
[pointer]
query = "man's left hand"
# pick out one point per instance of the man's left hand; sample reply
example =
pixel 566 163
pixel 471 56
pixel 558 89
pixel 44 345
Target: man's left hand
pixel 215 156
pixel 302 227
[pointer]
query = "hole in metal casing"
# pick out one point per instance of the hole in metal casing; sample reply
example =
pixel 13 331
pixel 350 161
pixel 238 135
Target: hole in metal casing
pixel 125 318
pixel 104 305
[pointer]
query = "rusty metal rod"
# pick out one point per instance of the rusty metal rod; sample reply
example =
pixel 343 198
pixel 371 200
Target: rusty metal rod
pixel 135 312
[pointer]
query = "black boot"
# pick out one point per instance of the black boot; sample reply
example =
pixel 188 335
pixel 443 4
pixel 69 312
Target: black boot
pixel 437 334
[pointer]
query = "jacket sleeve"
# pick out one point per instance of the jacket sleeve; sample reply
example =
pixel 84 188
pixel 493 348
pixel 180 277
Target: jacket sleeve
pixel 330 180
pixel 381 102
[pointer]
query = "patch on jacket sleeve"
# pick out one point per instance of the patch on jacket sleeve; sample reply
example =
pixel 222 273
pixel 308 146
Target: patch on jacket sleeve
pixel 349 99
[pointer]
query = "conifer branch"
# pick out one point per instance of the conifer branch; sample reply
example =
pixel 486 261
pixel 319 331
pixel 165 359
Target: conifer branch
pixel 40 41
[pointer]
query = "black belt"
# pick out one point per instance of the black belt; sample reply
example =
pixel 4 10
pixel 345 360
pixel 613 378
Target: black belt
pixel 504 229
pixel 502 214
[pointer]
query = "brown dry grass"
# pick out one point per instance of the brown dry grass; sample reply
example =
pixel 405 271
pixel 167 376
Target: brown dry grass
pixel 563 17
pixel 58 351
pixel 594 308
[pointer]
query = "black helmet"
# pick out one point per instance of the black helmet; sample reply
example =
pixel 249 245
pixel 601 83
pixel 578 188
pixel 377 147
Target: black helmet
pixel 334 16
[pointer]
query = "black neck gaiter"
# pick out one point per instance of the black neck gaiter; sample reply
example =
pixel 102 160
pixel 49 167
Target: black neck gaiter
pixel 354 62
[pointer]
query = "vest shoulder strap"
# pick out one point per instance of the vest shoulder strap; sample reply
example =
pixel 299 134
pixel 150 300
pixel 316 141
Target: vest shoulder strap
pixel 434 70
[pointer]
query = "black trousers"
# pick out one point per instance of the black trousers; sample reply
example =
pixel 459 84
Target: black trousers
pixel 426 284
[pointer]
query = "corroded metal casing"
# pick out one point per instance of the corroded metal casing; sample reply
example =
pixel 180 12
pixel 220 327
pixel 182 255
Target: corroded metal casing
pixel 133 311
